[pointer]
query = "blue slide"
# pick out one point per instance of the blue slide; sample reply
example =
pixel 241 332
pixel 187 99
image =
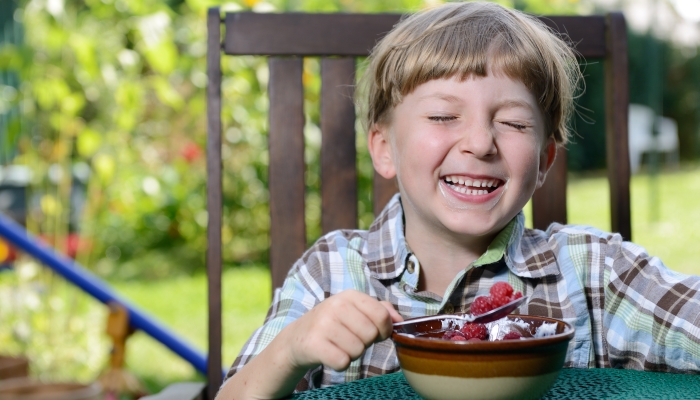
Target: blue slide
pixel 94 286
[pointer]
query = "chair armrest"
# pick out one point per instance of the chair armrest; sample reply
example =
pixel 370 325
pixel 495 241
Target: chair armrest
pixel 180 391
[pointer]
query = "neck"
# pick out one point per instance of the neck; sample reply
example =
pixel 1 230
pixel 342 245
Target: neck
pixel 442 258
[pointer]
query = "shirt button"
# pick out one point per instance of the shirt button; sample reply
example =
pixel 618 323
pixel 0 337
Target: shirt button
pixel 448 309
pixel 411 266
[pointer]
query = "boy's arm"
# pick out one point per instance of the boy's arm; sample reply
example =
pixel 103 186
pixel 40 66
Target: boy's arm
pixel 333 333
pixel 652 317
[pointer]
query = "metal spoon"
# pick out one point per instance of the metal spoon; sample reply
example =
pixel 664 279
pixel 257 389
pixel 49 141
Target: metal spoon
pixel 493 315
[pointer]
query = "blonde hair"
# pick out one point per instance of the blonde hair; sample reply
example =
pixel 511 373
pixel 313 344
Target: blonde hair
pixel 464 39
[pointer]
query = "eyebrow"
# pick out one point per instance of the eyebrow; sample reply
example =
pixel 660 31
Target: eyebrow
pixel 515 103
pixel 507 103
pixel 442 96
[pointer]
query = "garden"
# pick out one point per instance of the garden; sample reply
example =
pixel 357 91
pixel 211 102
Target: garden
pixel 102 118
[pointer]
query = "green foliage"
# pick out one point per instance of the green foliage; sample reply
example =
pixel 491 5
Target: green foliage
pixel 56 326
pixel 120 86
pixel 60 329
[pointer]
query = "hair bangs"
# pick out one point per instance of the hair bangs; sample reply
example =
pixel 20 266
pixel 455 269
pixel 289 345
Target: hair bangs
pixel 467 39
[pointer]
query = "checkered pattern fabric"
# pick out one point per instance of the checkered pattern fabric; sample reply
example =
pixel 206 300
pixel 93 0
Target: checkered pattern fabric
pixel 629 310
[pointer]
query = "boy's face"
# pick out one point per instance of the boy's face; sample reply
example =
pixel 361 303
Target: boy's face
pixel 468 154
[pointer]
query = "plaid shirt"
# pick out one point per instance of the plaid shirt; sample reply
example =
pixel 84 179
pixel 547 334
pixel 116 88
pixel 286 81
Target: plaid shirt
pixel 629 310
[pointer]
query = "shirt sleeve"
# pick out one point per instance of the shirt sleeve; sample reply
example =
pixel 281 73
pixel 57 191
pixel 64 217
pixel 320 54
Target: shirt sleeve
pixel 650 317
pixel 300 292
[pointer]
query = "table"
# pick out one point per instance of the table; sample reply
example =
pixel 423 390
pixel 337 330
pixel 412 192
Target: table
pixel 572 384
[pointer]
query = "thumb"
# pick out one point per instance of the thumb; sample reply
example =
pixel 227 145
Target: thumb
pixel 395 316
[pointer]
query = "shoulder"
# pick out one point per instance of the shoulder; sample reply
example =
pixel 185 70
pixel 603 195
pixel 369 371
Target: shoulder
pixel 562 236
pixel 560 231
pixel 353 256
pixel 593 242
pixel 329 258
pixel 334 246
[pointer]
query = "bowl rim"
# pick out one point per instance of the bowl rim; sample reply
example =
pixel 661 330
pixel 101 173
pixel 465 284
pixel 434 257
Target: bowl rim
pixel 432 344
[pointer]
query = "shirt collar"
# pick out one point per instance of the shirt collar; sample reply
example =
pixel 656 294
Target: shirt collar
pixel 529 253
pixel 386 251
pixel 526 252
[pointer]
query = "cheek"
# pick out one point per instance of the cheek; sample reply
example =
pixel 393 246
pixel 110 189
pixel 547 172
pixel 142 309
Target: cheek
pixel 525 162
pixel 411 148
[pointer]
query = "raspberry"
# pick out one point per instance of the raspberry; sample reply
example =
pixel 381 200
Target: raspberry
pixel 517 295
pixel 456 338
pixel 500 293
pixel 512 335
pixel 501 289
pixel 481 305
pixel 498 301
pixel 449 335
pixel 478 331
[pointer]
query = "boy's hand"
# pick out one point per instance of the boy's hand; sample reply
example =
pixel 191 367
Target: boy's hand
pixel 338 330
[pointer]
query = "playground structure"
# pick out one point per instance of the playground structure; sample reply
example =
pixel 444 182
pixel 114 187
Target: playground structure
pixel 124 317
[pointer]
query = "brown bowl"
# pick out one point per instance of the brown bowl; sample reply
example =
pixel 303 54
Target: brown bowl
pixel 509 369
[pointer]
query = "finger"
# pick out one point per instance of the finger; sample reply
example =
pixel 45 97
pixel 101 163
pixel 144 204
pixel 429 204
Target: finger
pixel 360 325
pixel 331 355
pixel 387 329
pixel 395 316
pixel 325 341
pixel 380 315
pixel 349 343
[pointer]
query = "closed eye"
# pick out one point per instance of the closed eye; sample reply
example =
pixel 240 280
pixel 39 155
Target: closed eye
pixel 442 118
pixel 515 125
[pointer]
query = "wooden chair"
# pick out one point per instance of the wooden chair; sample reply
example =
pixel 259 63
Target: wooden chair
pixel 339 39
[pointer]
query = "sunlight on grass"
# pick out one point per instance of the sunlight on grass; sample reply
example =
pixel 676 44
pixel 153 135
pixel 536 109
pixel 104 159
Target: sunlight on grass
pixel 181 304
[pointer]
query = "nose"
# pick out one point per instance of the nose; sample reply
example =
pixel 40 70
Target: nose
pixel 478 140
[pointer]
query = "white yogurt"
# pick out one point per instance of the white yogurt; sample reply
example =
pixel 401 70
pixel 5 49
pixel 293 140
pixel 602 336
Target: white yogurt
pixel 546 329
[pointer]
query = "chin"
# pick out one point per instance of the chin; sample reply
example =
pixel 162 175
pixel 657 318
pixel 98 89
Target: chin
pixel 476 226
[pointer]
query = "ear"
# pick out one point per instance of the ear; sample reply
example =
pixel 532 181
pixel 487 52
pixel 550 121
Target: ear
pixel 547 156
pixel 381 152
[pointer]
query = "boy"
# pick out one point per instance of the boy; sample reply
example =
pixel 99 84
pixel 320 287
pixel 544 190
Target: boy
pixel 467 105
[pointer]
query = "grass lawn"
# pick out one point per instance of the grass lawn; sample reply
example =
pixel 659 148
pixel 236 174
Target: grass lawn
pixel 665 213
pixel 664 217
pixel 181 304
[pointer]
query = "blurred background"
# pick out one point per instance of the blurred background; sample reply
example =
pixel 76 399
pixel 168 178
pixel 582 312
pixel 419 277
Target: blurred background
pixel 102 138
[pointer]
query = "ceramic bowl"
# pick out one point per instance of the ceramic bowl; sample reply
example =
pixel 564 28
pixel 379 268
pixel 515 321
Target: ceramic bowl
pixel 508 369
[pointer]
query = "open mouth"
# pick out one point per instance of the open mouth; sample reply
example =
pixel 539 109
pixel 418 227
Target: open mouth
pixel 472 186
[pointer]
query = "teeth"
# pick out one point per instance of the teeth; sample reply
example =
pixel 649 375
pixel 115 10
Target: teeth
pixel 466 182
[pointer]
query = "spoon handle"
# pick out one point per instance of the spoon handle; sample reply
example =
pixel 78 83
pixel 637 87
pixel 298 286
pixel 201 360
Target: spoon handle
pixel 465 317
pixel 495 314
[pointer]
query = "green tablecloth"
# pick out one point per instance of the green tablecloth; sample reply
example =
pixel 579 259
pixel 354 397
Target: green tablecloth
pixel 574 384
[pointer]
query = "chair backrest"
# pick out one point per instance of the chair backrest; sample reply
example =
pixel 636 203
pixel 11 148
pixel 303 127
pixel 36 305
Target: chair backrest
pixel 339 39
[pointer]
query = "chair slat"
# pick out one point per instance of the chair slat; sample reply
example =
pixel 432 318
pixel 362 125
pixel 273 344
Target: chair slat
pixel 587 33
pixel 338 154
pixel 337 34
pixel 305 34
pixel 549 201
pixel 616 106
pixel 286 171
pixel 214 201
